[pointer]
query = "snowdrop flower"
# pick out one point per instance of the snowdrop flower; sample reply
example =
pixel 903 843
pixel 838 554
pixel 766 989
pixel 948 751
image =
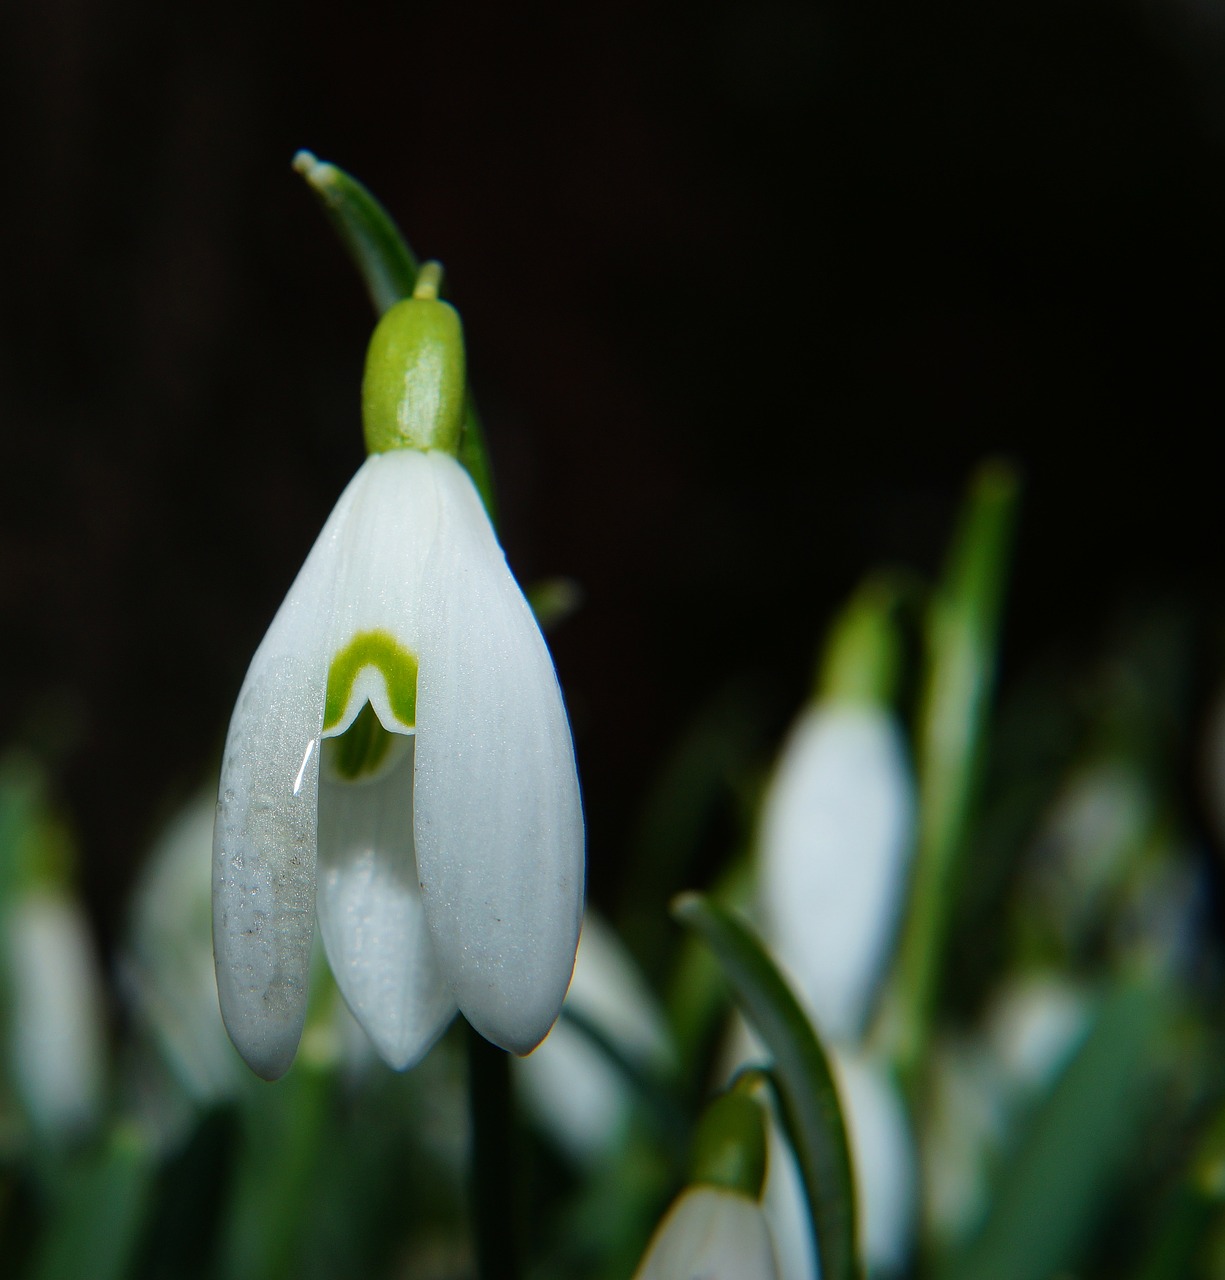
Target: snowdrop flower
pixel 710 1232
pixel 837 829
pixel 834 848
pixel 716 1227
pixel 56 1034
pixel 400 758
pixel 51 994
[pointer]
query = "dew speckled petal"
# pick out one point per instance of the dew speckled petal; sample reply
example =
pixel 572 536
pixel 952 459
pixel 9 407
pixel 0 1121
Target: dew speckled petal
pixel 499 824
pixel 370 914
pixel 264 835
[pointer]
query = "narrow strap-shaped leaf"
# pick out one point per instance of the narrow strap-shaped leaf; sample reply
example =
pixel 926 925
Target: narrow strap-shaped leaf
pixel 387 265
pixel 1056 1185
pixel 285 1132
pixel 388 268
pixel 95 1228
pixel 962 637
pixel 809 1100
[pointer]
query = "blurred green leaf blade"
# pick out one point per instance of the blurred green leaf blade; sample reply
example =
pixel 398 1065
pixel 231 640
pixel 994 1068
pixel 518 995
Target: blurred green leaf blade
pixel 1056 1185
pixel 807 1093
pixel 95 1227
pixel 962 640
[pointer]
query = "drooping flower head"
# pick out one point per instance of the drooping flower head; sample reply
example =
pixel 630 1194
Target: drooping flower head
pixel 716 1226
pixel 399 760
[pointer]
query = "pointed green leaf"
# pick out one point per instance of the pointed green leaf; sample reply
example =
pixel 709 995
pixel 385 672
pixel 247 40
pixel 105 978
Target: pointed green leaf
pixel 962 638
pixel 1056 1185
pixel 284 1133
pixel 95 1227
pixel 388 268
pixel 387 265
pixel 808 1096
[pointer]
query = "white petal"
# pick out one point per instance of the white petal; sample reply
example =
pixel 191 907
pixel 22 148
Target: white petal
pixel 710 1234
pixel 264 838
pixel 370 913
pixel 499 824
pixel 836 837
pixel 385 547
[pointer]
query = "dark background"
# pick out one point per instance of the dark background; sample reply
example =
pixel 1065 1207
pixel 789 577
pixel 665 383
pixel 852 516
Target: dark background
pixel 749 288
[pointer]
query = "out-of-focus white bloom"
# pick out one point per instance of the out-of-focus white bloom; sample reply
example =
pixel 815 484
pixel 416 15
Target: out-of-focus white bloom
pixel 710 1234
pixel 56 1001
pixel 1034 1026
pixel 167 966
pixel 578 1095
pixel 1092 835
pixel 400 756
pixel 836 835
pixel 981 1086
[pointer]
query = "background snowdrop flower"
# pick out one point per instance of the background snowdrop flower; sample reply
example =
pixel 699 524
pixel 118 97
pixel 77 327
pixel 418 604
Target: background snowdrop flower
pixel 400 741
pixel 57 1038
pixel 835 842
pixel 716 1226
pixel 834 846
pixel 580 1096
pixel 1034 1025
pixel 167 965
pixel 837 826
pixel 711 1232
pixel 51 990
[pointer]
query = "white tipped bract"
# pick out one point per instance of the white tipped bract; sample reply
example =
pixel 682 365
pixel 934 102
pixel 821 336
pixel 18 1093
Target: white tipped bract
pixel 449 855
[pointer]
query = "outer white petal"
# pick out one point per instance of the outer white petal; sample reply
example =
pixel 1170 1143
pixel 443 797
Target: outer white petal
pixel 264 838
pixel 836 838
pixel 371 916
pixel 499 824
pixel 710 1234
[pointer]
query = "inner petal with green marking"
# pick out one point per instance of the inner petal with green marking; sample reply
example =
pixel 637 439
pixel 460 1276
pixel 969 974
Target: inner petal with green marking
pixel 371 698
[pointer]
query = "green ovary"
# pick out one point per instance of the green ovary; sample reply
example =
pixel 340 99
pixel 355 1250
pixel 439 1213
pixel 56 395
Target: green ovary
pixel 362 748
